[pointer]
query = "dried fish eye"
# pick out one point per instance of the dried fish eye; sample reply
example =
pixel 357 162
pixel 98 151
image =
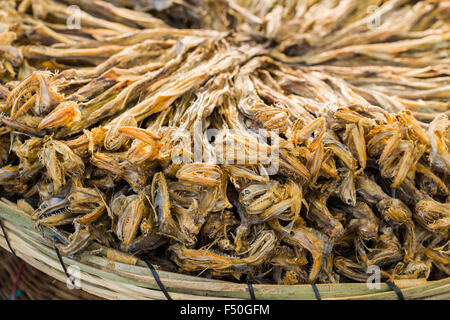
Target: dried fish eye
pixel 44 206
pixel 368 73
pixel 72 198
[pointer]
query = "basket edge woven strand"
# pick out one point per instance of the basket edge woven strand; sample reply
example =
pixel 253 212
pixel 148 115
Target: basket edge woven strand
pixel 111 279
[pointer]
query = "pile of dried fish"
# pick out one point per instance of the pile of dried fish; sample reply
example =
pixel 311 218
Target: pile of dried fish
pixel 272 141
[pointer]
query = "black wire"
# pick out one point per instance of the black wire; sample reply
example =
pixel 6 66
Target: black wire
pixel 251 290
pixel 157 279
pixel 7 240
pixel 62 262
pixel 316 291
pixel 396 289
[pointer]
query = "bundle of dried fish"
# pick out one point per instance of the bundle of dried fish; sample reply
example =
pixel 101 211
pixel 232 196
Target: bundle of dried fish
pixel 277 141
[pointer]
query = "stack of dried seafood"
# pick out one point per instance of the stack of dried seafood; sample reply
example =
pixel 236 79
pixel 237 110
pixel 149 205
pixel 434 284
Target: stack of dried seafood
pixel 274 141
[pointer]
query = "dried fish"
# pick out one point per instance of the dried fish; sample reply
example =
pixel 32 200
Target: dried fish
pixel 279 141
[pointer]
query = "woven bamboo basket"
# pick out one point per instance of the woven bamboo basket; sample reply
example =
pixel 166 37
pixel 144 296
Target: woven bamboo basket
pixel 34 284
pixel 113 278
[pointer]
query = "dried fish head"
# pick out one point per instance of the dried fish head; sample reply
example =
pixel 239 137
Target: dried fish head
pixel 369 190
pixel 202 174
pixel 364 221
pixel 77 241
pixel 8 173
pixel 165 221
pixel 39 92
pixel 429 182
pixel 63 115
pixel 89 202
pixel 394 211
pixel 355 141
pixel 350 269
pixel 114 138
pixel 49 206
pixel 60 161
pixel 439 137
pixel 27 151
pixel 322 217
pixel 317 244
pixel 135 209
pixel 433 215
pixel 304 133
